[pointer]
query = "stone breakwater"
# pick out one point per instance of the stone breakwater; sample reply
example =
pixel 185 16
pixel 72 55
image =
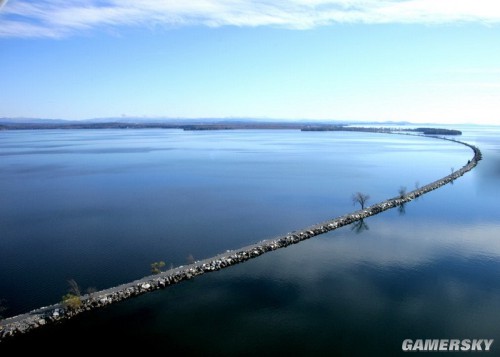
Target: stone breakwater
pixel 59 312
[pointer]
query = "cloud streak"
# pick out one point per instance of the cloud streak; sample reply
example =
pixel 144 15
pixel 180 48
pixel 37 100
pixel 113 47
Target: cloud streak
pixel 60 18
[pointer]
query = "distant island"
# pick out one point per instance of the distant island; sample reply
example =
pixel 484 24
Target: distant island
pixel 425 131
pixel 12 125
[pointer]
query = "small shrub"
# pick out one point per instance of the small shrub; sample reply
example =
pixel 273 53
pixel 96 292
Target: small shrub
pixel 156 267
pixel 71 301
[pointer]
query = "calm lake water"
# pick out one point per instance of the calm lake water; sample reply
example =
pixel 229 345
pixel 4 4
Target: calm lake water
pixel 99 206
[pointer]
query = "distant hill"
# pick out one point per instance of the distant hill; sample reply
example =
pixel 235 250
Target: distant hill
pixel 33 121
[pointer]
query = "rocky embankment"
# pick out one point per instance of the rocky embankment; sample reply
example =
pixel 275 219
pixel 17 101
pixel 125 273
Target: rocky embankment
pixel 59 312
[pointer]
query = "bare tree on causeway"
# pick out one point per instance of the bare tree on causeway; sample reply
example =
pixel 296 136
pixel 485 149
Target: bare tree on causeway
pixel 74 288
pixel 2 307
pixel 402 192
pixel 360 198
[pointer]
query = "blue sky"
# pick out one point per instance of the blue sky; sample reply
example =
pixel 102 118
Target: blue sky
pixel 413 60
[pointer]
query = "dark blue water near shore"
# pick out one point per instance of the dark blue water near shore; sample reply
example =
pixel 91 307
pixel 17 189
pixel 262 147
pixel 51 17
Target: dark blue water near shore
pixel 99 206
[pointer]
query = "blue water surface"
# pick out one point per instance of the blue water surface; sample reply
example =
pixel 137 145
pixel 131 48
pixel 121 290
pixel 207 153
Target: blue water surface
pixel 99 206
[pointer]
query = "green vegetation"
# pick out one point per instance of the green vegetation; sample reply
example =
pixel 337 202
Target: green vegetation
pixel 72 300
pixel 156 267
pixel 437 131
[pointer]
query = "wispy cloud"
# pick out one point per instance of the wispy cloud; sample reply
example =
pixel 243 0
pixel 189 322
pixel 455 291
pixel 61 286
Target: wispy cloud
pixel 59 18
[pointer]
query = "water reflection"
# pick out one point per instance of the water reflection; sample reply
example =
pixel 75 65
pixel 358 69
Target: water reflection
pixel 359 226
pixel 322 297
pixel 118 200
pixel 433 272
pixel 402 209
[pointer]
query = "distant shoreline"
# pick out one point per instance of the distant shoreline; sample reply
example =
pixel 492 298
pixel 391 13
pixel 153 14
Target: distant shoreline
pixel 226 126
